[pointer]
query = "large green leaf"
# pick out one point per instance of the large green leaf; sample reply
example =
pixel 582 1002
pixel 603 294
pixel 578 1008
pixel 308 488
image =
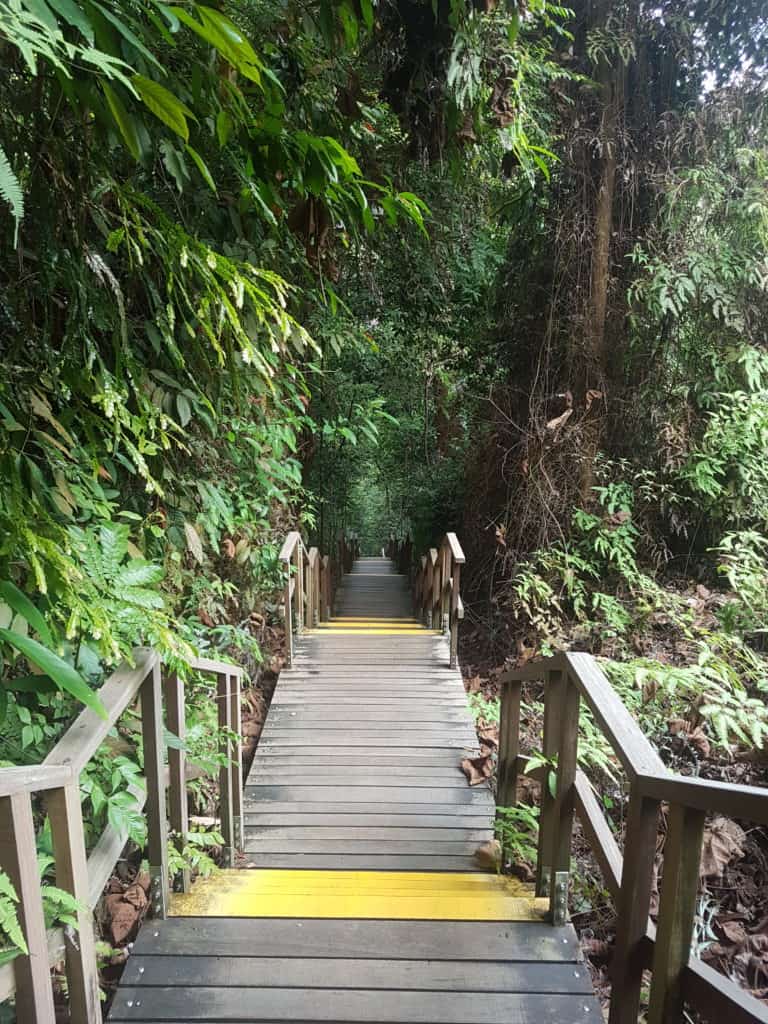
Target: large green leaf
pixel 164 105
pixel 65 677
pixel 202 167
pixel 123 120
pixel 74 15
pixel 224 36
pixel 24 607
pixel 128 34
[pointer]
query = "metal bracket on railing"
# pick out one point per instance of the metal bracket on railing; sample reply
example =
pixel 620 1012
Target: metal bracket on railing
pixel 559 907
pixel 157 892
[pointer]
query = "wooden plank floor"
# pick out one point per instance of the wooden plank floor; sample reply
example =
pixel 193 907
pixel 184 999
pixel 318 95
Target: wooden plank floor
pixel 364 902
pixel 358 764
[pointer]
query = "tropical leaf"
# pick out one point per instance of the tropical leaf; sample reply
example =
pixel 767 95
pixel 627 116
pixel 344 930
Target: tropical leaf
pixel 10 191
pixel 202 167
pixel 65 677
pixel 74 15
pixel 123 120
pixel 164 105
pixel 21 604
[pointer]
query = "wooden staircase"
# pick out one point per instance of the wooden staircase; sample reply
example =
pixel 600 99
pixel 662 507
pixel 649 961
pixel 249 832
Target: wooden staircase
pixel 358 897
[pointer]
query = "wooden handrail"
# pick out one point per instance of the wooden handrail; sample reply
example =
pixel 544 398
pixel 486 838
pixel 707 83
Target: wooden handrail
pixel 676 976
pixel 311 580
pixel 436 586
pixel 58 779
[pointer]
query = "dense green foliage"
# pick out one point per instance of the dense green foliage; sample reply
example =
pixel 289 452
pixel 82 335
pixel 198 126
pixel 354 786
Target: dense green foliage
pixel 394 266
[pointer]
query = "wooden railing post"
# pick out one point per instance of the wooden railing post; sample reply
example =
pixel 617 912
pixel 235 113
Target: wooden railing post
pixel 18 858
pixel 178 815
pixel 677 912
pixel 446 561
pixel 435 596
pixel 553 708
pixel 454 613
pixel 633 906
pixel 289 584
pixel 564 808
pixel 157 826
pixel 226 801
pixel 236 724
pixel 66 818
pixel 298 592
pixel 509 742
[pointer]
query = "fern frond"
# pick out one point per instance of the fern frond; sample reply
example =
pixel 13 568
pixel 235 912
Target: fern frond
pixel 10 191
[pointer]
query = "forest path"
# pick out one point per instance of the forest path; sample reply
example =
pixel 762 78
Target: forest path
pixel 364 901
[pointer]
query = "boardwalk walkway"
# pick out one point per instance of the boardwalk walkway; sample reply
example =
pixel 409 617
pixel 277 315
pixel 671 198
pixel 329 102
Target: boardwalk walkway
pixel 363 901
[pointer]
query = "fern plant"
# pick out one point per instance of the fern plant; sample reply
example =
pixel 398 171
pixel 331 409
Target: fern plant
pixel 10 191
pixel 125 606
pixel 12 940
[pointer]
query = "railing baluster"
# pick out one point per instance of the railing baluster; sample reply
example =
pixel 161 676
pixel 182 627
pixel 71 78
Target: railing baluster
pixel 454 612
pixel 677 912
pixel 298 592
pixel 509 743
pixel 236 724
pixel 157 826
pixel 178 815
pixel 633 906
pixel 226 807
pixel 288 616
pixel 66 818
pixel 509 746
pixel 18 858
pixel 567 764
pixel 553 704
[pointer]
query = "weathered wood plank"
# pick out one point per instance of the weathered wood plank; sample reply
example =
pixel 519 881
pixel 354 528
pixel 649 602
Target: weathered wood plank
pixel 488 941
pixel 415 975
pixel 352 833
pixel 275 1004
pixel 361 862
pixel 362 820
pixel 371 794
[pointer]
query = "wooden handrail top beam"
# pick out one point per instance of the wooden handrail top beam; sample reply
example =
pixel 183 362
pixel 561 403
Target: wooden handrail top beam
pixel 750 803
pixel 633 750
pixel 289 546
pixel 626 737
pixel 89 730
pixel 456 550
pixel 33 778
pixel 216 667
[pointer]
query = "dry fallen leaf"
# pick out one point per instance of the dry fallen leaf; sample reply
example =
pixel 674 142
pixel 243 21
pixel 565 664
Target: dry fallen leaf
pixel 723 842
pixel 477 769
pixel 488 855
pixel 559 421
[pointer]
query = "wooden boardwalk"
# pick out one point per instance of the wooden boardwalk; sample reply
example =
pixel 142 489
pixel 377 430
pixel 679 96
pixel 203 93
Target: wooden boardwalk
pixel 364 901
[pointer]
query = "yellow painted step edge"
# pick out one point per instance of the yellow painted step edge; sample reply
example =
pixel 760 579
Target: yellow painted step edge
pixel 397 895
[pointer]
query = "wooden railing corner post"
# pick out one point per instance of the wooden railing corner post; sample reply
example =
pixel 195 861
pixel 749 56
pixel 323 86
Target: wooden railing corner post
pixel 633 906
pixel 565 800
pixel 553 709
pixel 68 835
pixel 677 912
pixel 178 815
pixel 226 798
pixel 236 724
pixel 157 826
pixel 18 858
